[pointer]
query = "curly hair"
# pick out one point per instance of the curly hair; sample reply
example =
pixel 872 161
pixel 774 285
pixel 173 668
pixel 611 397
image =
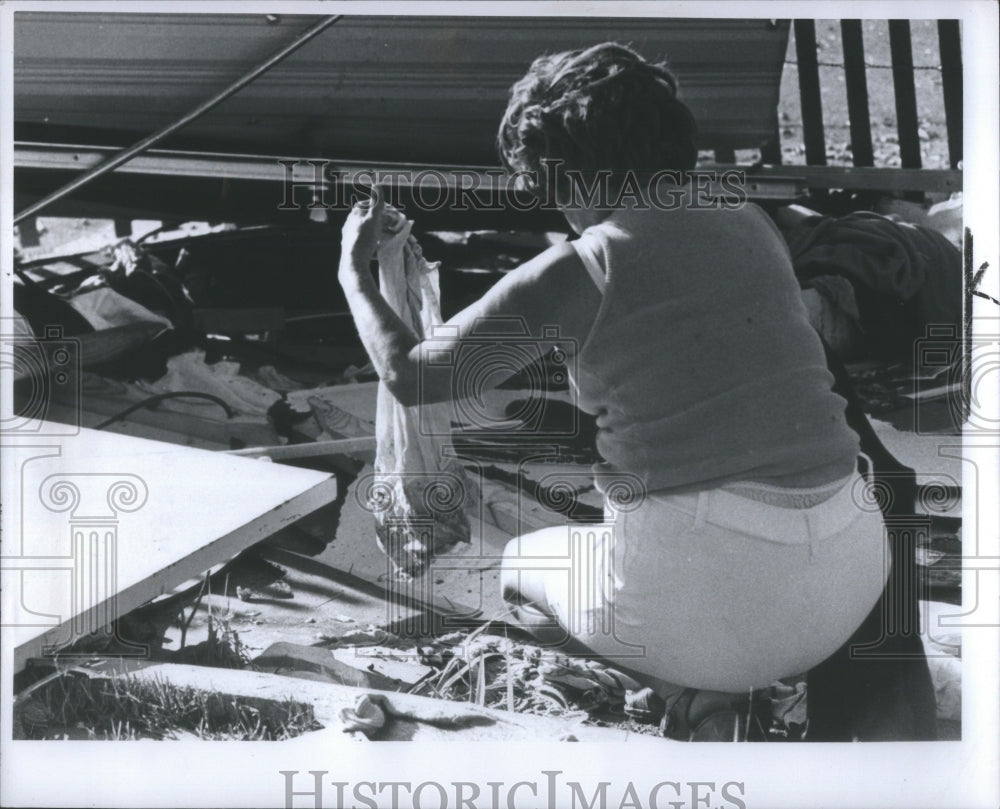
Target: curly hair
pixel 600 108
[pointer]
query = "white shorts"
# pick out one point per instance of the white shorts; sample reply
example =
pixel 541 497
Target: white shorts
pixel 717 590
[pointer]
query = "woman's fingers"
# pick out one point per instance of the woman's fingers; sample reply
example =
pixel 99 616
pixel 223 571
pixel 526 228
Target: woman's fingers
pixel 377 205
pixel 362 228
pixel 373 205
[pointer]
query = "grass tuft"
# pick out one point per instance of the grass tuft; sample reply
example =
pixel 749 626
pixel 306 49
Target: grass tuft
pixel 125 707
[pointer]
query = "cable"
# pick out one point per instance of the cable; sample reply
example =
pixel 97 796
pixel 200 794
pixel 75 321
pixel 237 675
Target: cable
pixel 159 397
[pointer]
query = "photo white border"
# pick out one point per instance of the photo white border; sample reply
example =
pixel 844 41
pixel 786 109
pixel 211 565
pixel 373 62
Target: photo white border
pixel 938 774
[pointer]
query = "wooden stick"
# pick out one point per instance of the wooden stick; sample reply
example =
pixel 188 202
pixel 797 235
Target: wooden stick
pixel 809 92
pixel 336 446
pixel 857 92
pixel 907 124
pixel 950 43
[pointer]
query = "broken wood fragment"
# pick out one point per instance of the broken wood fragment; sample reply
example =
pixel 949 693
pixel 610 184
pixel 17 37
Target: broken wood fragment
pixel 337 446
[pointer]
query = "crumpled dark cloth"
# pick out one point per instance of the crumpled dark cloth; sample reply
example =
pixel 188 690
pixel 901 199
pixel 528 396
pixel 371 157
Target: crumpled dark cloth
pixel 906 277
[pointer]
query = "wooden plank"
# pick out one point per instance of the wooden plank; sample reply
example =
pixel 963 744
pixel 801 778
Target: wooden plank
pixel 809 92
pixel 901 48
pixel 412 717
pixel 857 92
pixel 950 43
pixel 770 149
pixel 878 179
pixel 315 449
pixel 110 522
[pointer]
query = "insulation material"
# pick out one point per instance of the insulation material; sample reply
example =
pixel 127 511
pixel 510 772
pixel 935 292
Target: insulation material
pixel 421 497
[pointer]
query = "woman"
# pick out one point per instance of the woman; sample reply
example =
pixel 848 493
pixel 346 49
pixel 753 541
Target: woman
pixel 749 554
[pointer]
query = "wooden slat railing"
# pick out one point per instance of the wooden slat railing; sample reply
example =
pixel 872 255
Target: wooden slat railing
pixel 856 79
pixel 809 93
pixel 950 44
pixel 904 87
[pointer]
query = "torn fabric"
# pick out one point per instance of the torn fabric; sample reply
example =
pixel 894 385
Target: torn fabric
pixel 421 497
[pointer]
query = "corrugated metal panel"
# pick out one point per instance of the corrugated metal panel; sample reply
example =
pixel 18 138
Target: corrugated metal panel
pixel 424 89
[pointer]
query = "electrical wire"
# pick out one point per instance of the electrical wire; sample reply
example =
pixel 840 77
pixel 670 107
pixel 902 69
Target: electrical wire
pixel 159 397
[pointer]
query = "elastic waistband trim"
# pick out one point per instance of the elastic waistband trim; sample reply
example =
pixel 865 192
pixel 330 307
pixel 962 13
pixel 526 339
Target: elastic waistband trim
pixel 784 497
pixel 774 523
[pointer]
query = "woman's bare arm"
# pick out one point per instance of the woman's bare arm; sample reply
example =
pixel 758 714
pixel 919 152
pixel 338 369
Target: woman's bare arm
pixel 550 291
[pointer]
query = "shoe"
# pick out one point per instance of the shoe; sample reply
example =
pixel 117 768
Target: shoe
pixel 707 716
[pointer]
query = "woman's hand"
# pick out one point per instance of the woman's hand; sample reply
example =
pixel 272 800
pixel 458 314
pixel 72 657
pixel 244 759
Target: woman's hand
pixel 362 231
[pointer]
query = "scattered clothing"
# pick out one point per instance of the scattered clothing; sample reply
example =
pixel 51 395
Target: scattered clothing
pixel 272 378
pixel 833 312
pixel 905 277
pixel 104 309
pixel 190 372
pixel 788 704
pixel 336 422
pixel 45 311
pixel 365 717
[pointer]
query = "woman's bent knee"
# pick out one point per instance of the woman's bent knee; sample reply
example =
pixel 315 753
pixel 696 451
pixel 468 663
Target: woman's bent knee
pixel 521 580
pixel 509 578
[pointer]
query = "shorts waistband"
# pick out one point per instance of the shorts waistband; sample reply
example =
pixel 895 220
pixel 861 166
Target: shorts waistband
pixel 775 523
pixel 784 497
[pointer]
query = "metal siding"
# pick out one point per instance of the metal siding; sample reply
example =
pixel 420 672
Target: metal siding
pixel 428 89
